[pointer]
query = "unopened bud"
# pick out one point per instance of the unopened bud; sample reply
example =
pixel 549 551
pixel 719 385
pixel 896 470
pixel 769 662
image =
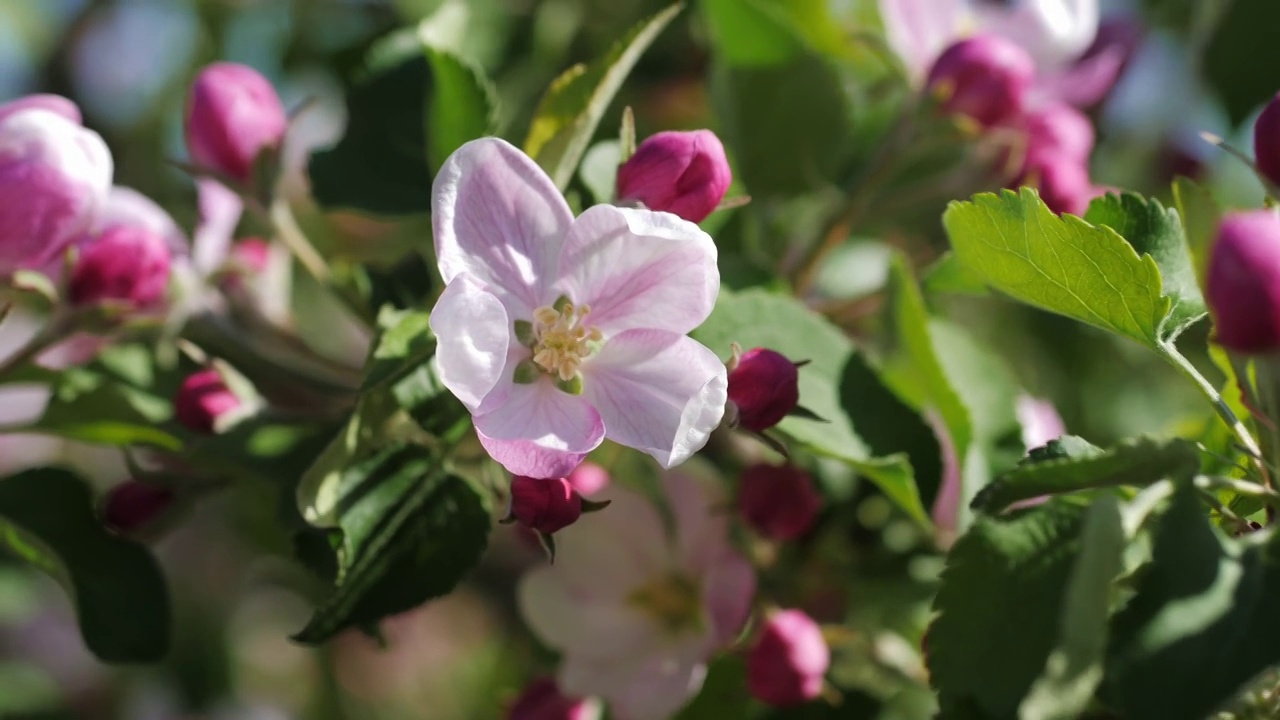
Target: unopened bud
pixel 131 506
pixel 545 505
pixel 1060 128
pixel 684 173
pixel 787 663
pixel 1243 285
pixel 542 700
pixel 763 386
pixel 124 264
pixel 588 478
pixel 233 114
pixel 1063 181
pixel 985 77
pixel 779 502
pixel 203 401
pixel 1266 141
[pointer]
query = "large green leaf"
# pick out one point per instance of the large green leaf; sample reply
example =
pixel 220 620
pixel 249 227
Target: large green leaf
pixel 568 115
pixel 410 531
pixel 1156 231
pixel 1000 604
pixel 47 519
pixel 1203 621
pixel 1075 666
pixel 1242 60
pixel 757 318
pixel 1061 264
pixel 413 105
pixel 1133 462
pixel 750 33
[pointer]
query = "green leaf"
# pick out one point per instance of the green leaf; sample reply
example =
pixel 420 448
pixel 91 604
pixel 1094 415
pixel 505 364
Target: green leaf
pixel 108 403
pixel 1134 462
pixel 756 318
pixel 949 275
pixel 410 531
pixel 1060 264
pixel 1075 666
pixel 1242 59
pixel 1156 231
pixel 568 115
pixel 413 105
pixel 1000 607
pixel 751 32
pixel 47 519
pixel 1203 621
pixel 406 342
pixel 1200 216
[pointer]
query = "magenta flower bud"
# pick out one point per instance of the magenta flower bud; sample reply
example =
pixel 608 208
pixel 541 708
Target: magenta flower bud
pixel 55 104
pixel 54 179
pixel 685 173
pixel 1243 285
pixel 542 700
pixel 233 114
pixel 203 401
pixel 764 386
pixel 1062 129
pixel 779 502
pixel 985 77
pixel 1063 181
pixel 251 253
pixel 786 665
pixel 133 505
pixel 123 264
pixel 1266 141
pixel 545 505
pixel 588 478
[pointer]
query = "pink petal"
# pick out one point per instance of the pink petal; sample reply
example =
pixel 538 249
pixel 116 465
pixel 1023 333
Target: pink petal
pixel 220 210
pixel 658 392
pixel 1085 83
pixel 650 686
pixel 640 269
pixel 126 206
pixel 498 217
pixel 728 589
pixel 1055 32
pixel 473 334
pixel 540 431
pixel 582 626
pixel 919 30
pixel 700 507
pixel 610 554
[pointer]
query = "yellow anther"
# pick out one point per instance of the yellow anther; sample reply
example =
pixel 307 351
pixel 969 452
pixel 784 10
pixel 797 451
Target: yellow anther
pixel 563 339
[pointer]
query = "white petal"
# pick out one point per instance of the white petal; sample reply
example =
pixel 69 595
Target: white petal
pixel 579 622
pixel 473 333
pixel 919 30
pixel 540 431
pixel 220 211
pixel 658 392
pixel 640 269
pixel 648 686
pixel 498 217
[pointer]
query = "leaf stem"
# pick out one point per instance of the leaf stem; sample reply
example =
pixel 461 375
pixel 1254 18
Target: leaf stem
pixel 1169 352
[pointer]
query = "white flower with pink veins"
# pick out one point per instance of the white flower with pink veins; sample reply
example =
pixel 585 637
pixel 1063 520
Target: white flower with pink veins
pixel 557 331
pixel 635 612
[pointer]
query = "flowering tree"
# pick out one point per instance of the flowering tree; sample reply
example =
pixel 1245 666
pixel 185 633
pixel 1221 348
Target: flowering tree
pixel 759 484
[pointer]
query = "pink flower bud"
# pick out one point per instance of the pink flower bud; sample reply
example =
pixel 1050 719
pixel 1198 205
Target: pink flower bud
pixel 1063 181
pixel 787 663
pixel 54 179
pixel 545 505
pixel 132 505
pixel 203 400
pixel 685 173
pixel 55 104
pixel 542 700
pixel 233 114
pixel 779 502
pixel 985 77
pixel 588 478
pixel 251 253
pixel 1243 287
pixel 764 387
pixel 1266 141
pixel 124 264
pixel 1060 128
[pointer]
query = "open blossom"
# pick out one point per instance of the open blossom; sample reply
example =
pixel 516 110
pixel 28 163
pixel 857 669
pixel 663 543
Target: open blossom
pixel 636 613
pixel 556 331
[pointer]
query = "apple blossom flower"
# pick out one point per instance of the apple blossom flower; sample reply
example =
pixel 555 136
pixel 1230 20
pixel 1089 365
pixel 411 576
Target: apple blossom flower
pixel 685 173
pixel 1243 285
pixel 787 664
pixel 54 180
pixel 555 332
pixel 635 612
pixel 128 207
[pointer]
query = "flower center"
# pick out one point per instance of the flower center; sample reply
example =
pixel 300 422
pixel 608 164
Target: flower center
pixel 673 601
pixel 560 340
